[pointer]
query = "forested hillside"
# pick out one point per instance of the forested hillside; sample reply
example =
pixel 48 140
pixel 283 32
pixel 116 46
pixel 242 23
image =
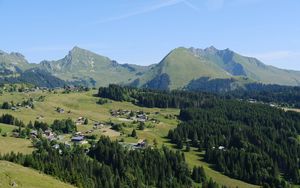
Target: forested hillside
pixel 110 165
pixel 157 98
pixel 251 142
pixel 255 143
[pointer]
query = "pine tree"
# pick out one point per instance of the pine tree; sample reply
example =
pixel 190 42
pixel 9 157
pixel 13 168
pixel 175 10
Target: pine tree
pixel 188 148
pixel 133 133
pixel 86 121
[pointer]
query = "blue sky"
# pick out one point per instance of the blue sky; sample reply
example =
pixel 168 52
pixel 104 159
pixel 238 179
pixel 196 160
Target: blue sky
pixel 143 31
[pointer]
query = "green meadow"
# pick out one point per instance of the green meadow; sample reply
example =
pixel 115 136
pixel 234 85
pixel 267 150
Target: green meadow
pixel 84 104
pixel 14 175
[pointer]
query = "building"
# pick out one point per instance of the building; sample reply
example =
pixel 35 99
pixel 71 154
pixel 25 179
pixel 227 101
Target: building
pixel 33 133
pixel 78 140
pixel 60 110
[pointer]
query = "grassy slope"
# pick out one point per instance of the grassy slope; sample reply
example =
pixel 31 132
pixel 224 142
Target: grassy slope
pixel 84 104
pixel 193 158
pixel 268 74
pixel 86 64
pixel 26 177
pixel 6 128
pixel 182 67
pixel 9 144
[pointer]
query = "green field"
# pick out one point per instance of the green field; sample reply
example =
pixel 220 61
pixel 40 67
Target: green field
pixel 9 144
pixel 6 128
pixel 13 175
pixel 84 105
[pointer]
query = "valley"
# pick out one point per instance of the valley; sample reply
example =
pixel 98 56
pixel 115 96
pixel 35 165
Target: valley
pixel 84 104
pixel 150 94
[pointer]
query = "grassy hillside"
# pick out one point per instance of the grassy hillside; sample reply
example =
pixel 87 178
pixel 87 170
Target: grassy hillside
pixel 267 74
pixel 239 65
pixel 13 175
pixel 6 128
pixel 175 71
pixel 9 144
pixel 94 69
pixel 84 104
pixel 12 64
pixel 182 66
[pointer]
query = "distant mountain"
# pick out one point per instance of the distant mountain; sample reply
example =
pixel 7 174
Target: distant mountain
pixel 238 65
pixel 95 69
pixel 36 77
pixel 185 68
pixel 12 64
pixel 177 69
pixel 206 69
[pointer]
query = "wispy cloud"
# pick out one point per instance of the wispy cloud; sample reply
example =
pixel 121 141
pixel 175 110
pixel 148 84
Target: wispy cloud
pixel 191 5
pixel 153 8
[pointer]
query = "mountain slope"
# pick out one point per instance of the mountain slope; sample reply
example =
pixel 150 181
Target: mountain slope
pixel 97 70
pixel 239 65
pixel 179 67
pixel 184 67
pixel 12 63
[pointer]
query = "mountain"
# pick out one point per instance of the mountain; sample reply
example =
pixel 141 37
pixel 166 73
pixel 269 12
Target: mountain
pixel 188 67
pixel 12 63
pixel 206 69
pixel 238 65
pixel 36 77
pixel 177 69
pixel 96 70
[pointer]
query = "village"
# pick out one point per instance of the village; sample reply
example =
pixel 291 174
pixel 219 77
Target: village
pixel 30 100
pixel 92 130
pixel 134 116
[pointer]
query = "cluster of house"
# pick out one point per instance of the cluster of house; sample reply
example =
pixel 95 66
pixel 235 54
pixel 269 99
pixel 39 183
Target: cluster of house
pixel 139 116
pixel 19 105
pixel 47 134
pixel 255 101
pixel 71 88
pixel 27 90
pixel 78 137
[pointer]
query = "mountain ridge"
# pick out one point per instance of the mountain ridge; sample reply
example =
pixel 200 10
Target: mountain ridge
pixel 177 70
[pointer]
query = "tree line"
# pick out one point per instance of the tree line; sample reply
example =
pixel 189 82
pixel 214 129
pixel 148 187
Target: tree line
pixel 251 142
pixel 154 98
pixel 110 165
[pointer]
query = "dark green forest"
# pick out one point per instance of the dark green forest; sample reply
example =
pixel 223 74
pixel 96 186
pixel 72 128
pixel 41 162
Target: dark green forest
pixel 154 98
pixel 255 143
pixel 110 165
pixel 252 142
